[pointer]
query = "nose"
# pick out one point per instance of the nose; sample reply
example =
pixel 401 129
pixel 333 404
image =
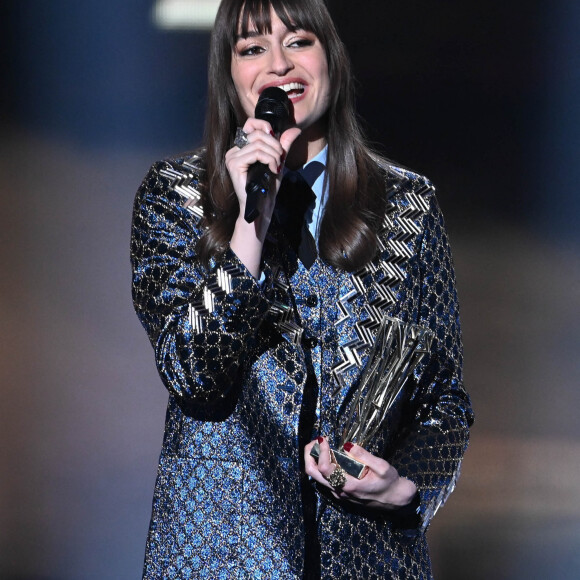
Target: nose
pixel 280 61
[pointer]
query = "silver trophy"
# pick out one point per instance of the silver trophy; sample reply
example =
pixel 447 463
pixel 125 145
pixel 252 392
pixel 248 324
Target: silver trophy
pixel 398 348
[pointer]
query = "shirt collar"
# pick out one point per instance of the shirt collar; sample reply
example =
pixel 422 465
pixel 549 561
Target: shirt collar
pixel 312 170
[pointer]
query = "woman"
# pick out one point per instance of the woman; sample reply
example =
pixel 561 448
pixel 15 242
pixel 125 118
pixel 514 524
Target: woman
pixel 261 345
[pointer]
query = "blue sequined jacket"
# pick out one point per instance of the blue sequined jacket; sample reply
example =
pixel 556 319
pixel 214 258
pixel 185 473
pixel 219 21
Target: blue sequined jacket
pixel 255 371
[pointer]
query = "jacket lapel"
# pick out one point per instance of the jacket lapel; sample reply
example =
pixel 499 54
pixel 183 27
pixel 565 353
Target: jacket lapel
pixel 370 294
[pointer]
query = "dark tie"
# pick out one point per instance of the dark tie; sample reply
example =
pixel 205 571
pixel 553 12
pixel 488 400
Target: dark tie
pixel 294 199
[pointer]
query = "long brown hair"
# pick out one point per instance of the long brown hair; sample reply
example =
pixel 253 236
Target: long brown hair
pixel 356 192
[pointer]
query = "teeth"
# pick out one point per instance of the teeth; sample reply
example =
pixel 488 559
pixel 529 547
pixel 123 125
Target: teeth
pixel 292 87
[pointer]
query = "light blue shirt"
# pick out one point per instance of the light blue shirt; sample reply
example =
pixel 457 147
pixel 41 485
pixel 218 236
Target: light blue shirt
pixel 313 173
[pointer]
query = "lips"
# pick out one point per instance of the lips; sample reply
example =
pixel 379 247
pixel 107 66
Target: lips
pixel 294 89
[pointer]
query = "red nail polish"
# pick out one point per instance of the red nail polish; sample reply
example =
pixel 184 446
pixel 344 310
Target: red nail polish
pixel 272 133
pixel 348 446
pixel 320 439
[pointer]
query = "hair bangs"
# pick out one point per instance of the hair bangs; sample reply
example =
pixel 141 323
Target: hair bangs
pixel 255 15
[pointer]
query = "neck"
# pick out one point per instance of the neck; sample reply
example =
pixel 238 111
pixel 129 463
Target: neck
pixel 310 143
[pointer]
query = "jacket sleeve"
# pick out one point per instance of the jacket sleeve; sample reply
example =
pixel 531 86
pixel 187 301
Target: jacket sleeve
pixel 431 448
pixel 202 321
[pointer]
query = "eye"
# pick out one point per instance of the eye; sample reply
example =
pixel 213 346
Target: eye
pixel 300 38
pixel 301 42
pixel 252 50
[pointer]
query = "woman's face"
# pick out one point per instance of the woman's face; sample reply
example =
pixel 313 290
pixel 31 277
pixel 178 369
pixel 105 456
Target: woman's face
pixel 293 60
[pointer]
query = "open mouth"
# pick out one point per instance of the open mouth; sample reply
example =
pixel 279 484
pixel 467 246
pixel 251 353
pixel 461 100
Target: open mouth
pixel 293 90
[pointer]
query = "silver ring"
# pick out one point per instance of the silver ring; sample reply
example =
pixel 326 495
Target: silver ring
pixel 337 478
pixel 241 139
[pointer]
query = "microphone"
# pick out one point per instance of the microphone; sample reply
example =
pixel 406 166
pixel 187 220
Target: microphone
pixel 273 106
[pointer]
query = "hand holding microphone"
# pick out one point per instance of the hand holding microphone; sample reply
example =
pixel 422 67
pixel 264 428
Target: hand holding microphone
pixel 273 106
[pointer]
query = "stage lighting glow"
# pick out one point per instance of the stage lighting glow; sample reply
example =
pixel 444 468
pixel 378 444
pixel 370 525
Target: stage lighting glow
pixel 185 14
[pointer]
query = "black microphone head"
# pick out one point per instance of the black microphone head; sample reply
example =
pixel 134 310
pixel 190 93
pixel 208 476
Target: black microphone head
pixel 274 106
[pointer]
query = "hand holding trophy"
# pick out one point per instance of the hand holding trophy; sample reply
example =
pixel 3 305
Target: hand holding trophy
pixel 398 349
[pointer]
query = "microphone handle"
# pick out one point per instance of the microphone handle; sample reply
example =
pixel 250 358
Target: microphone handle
pixel 257 186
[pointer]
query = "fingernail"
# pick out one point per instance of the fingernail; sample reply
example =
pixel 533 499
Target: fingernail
pixel 320 439
pixel 348 446
pixel 279 168
pixel 272 133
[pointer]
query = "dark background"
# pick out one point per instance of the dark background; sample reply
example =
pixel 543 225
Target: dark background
pixel 484 98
